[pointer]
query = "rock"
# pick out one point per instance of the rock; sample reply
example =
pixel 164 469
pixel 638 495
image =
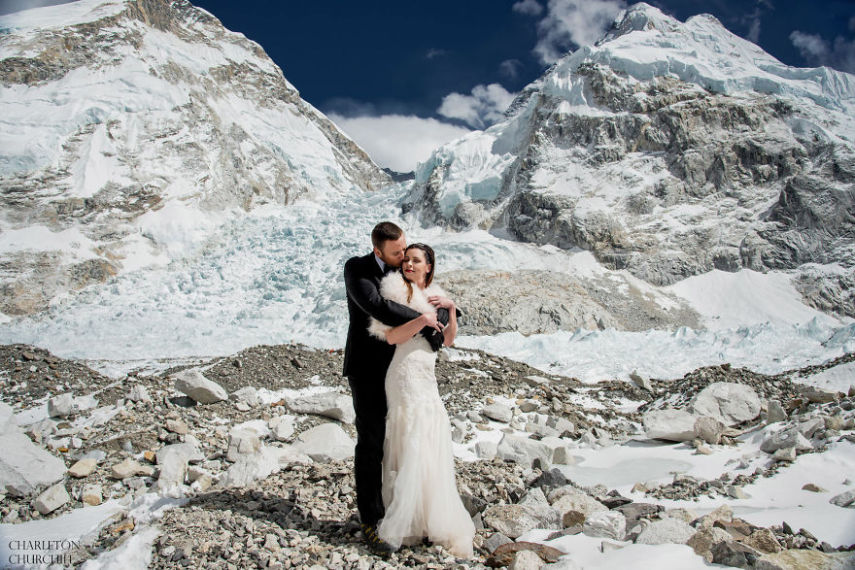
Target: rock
pixel 326 442
pixel 192 383
pixel 138 393
pixel 640 381
pixel 636 511
pixel 282 427
pixel 25 467
pixel 788 454
pixel 83 468
pixel 127 468
pixel 243 440
pixel 737 492
pixel 527 406
pixel 515 520
pixel 486 450
pixel 775 412
pixel 709 429
pixel 810 427
pixel 92 494
pixel 786 438
pixel 496 540
pixel 248 395
pixel 805 560
pixel 7 419
pixel 734 554
pixel 267 460
pixel 172 460
pixel 504 554
pixel 563 456
pixel 566 499
pixel 177 426
pixel 670 425
pixel 534 497
pixel 817 396
pixel 526 560
pixel 331 404
pixel 666 531
pixel 61 406
pixel 605 524
pixel 703 541
pixel 813 488
pixel 524 451
pixel 551 479
pixel 729 402
pixel 846 499
pixel 498 412
pixel 763 540
pixel 52 499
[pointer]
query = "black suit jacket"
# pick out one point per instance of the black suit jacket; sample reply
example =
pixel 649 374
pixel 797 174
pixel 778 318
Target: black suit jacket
pixel 364 355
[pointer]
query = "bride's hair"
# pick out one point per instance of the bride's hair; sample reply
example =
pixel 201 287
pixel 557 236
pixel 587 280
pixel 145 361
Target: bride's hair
pixel 430 257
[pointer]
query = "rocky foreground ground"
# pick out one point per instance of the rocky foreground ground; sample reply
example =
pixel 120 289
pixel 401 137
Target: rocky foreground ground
pixel 258 448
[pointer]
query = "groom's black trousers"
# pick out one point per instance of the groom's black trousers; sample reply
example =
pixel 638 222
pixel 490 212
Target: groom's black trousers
pixel 369 403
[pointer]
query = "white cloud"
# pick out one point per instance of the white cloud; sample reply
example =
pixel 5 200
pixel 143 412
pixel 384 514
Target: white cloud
pixel 433 52
pixel 573 23
pixel 528 7
pixel 510 68
pixel 483 107
pixel 398 142
pixel 817 51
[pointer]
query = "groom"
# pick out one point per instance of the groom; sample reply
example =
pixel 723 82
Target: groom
pixel 365 362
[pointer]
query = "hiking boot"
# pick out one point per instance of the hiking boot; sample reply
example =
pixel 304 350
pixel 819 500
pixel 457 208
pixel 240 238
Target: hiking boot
pixel 374 542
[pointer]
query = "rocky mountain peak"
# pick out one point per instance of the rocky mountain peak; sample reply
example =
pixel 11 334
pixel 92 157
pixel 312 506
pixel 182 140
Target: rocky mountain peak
pixel 668 149
pixel 133 129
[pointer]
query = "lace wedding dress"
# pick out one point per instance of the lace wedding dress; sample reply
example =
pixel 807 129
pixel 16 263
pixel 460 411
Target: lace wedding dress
pixel 419 488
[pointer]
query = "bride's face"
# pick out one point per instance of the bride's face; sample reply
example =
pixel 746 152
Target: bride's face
pixel 415 266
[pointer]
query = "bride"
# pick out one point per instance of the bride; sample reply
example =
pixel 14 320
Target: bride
pixel 419 489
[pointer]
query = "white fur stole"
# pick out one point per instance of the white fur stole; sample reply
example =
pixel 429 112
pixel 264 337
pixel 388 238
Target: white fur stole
pixel 393 288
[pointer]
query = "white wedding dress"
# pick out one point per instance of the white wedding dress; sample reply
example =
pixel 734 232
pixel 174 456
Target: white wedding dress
pixel 419 488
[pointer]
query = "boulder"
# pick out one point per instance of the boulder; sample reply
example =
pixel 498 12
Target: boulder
pixel 568 498
pixel 846 499
pixel 259 465
pixel 282 427
pixel 330 404
pixel 605 524
pixel 734 554
pixel 666 531
pixel 504 554
pixel 709 429
pixel 129 468
pixel 703 541
pixel 25 467
pixel 784 439
pixel 7 419
pixel 805 560
pixel 727 401
pixel 172 461
pixel 83 468
pixel 138 393
pixel 52 499
pixel 526 560
pixel 524 451
pixel 763 540
pixel 92 494
pixel 775 412
pixel 243 440
pixel 197 387
pixel 515 520
pixel 670 425
pixel 61 406
pixel 326 442
pixel 486 450
pixel 496 540
pixel 498 412
pixel 248 395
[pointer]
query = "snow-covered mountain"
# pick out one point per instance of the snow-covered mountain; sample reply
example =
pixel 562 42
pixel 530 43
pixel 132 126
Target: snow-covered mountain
pixel 133 128
pixel 669 149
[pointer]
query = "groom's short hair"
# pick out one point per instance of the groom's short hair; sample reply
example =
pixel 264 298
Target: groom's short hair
pixel 383 232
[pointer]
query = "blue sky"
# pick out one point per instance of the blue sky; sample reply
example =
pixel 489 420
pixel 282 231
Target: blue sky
pixel 402 77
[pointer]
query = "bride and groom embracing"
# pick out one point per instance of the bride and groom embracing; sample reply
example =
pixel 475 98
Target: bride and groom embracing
pixel 403 463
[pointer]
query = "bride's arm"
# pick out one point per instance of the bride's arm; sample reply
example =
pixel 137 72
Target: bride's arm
pixel 450 330
pixel 403 333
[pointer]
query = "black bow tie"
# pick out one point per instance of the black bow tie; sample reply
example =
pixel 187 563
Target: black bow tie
pixel 388 269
